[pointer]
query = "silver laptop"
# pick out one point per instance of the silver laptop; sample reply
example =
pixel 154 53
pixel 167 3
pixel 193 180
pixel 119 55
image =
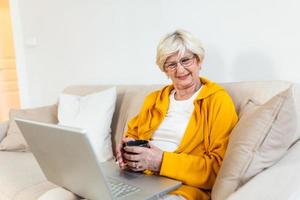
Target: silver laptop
pixel 67 159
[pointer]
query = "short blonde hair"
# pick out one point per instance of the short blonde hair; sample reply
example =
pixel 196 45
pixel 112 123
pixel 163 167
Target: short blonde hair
pixel 178 42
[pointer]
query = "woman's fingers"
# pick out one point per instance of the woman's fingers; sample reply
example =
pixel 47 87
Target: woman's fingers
pixel 135 166
pixel 132 157
pixel 119 152
pixel 135 149
pixel 138 158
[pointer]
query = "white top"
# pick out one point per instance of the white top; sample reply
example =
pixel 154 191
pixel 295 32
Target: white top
pixel 170 132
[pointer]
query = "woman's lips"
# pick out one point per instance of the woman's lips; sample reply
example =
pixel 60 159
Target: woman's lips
pixel 183 77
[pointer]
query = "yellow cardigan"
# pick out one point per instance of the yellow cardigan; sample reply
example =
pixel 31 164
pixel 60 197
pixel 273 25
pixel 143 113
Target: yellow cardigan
pixel 197 160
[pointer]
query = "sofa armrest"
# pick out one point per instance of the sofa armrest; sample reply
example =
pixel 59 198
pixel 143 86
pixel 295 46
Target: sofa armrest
pixel 14 140
pixel 47 114
pixel 281 181
pixel 3 129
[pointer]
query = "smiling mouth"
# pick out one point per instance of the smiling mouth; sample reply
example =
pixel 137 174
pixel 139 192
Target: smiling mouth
pixel 183 77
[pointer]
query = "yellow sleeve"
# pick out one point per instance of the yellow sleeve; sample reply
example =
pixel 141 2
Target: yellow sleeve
pixel 133 126
pixel 199 168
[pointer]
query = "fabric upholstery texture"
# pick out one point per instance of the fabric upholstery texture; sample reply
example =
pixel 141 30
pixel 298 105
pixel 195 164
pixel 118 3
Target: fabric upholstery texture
pixel 281 181
pixel 261 137
pixel 21 177
pixel 3 129
pixel 14 140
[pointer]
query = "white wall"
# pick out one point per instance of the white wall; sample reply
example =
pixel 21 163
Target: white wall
pixel 63 42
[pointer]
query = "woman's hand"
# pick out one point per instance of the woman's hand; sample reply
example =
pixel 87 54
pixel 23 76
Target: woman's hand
pixel 120 152
pixel 142 158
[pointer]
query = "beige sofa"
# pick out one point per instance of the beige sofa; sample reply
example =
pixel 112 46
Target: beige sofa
pixel 22 179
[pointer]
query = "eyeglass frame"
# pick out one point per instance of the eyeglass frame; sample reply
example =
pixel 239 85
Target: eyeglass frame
pixel 167 68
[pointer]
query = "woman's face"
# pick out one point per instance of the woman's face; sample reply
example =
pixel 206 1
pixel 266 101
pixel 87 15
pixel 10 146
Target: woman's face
pixel 183 69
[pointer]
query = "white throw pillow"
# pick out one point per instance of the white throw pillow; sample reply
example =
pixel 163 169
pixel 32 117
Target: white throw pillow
pixel 92 113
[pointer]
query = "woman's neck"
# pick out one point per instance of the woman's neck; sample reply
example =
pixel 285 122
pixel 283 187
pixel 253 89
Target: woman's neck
pixel 186 93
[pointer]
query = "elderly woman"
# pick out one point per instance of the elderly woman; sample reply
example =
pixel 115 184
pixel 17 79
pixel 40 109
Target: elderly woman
pixel 187 123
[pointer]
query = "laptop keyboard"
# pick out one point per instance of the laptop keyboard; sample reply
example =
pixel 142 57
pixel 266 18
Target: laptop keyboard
pixel 120 189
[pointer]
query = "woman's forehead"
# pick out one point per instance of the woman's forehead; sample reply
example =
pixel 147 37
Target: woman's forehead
pixel 179 54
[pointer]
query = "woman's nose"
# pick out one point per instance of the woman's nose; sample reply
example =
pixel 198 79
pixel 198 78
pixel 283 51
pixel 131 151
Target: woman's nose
pixel 180 68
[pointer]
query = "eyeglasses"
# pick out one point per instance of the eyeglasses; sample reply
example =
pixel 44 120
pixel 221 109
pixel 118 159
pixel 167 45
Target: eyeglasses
pixel 185 62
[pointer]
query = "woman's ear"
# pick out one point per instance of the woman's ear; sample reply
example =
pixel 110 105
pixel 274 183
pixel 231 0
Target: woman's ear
pixel 199 61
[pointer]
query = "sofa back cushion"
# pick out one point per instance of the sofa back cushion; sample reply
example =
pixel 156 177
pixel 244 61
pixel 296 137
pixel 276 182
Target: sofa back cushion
pixel 130 98
pixel 262 136
pixel 258 91
pixel 129 101
pixel 281 181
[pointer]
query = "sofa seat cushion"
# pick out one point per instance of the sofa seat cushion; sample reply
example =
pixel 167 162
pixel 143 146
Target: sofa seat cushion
pixel 20 174
pixel 22 178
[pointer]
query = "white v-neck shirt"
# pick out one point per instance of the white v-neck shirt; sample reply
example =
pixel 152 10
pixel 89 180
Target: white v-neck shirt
pixel 170 132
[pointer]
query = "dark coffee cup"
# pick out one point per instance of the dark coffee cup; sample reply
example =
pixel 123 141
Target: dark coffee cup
pixel 136 143
pixel 139 143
